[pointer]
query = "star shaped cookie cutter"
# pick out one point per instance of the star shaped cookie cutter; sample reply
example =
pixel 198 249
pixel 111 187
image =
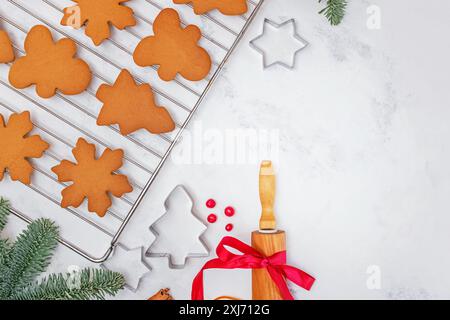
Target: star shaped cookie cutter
pixel 131 263
pixel 295 36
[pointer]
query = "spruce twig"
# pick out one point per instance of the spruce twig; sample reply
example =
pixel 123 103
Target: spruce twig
pixel 5 250
pixel 334 11
pixel 22 262
pixel 5 245
pixel 29 256
pixel 91 284
pixel 4 212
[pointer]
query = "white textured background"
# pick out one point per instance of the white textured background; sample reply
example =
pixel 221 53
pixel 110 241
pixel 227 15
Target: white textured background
pixel 363 174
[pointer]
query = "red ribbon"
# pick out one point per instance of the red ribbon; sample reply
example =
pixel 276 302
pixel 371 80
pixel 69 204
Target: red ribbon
pixel 252 259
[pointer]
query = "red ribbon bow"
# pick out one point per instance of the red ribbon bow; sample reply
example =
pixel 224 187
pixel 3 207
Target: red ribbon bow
pixel 252 259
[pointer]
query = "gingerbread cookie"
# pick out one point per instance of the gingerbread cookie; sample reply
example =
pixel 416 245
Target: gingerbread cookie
pixel 16 147
pixel 97 15
pixel 132 107
pixel 6 48
pixel 92 178
pixel 50 65
pixel 229 8
pixel 174 49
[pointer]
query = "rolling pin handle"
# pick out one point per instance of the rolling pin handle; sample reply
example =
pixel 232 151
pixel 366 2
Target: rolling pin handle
pixel 267 196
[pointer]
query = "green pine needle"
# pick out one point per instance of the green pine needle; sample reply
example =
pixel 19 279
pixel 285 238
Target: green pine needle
pixel 23 261
pixel 91 284
pixel 334 11
pixel 4 212
pixel 29 256
pixel 5 250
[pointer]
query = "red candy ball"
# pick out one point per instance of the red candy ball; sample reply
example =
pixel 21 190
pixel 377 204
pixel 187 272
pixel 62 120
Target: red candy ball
pixel 212 218
pixel 229 211
pixel 229 227
pixel 211 203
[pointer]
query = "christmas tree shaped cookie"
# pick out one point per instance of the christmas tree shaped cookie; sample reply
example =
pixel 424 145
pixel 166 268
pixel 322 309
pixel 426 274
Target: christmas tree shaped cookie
pixel 92 178
pixel 174 49
pixel 50 65
pixel 6 48
pixel 132 107
pixel 97 15
pixel 16 147
pixel 226 7
pixel 178 232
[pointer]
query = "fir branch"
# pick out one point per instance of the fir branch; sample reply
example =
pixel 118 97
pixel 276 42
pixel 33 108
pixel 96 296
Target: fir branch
pixel 22 262
pixel 29 256
pixel 334 11
pixel 5 250
pixel 5 245
pixel 4 212
pixel 91 284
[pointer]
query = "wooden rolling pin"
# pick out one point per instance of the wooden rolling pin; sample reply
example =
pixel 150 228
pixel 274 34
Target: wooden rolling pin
pixel 267 240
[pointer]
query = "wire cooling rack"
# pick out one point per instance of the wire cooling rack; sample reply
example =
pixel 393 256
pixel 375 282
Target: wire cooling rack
pixel 61 120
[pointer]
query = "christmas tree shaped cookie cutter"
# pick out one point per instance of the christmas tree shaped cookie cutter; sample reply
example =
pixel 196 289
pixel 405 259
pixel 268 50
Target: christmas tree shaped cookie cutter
pixel 179 231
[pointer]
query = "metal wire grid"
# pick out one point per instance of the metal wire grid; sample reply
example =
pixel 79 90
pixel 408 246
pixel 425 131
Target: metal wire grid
pixel 169 140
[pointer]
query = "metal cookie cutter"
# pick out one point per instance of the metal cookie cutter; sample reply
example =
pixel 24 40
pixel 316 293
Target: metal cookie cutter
pixel 179 232
pixel 296 47
pixel 130 262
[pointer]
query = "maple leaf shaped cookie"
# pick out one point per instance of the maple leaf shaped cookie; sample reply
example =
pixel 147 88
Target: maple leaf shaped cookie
pixel 174 49
pixel 6 48
pixel 16 147
pixel 132 107
pixel 97 15
pixel 226 7
pixel 92 178
pixel 50 65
